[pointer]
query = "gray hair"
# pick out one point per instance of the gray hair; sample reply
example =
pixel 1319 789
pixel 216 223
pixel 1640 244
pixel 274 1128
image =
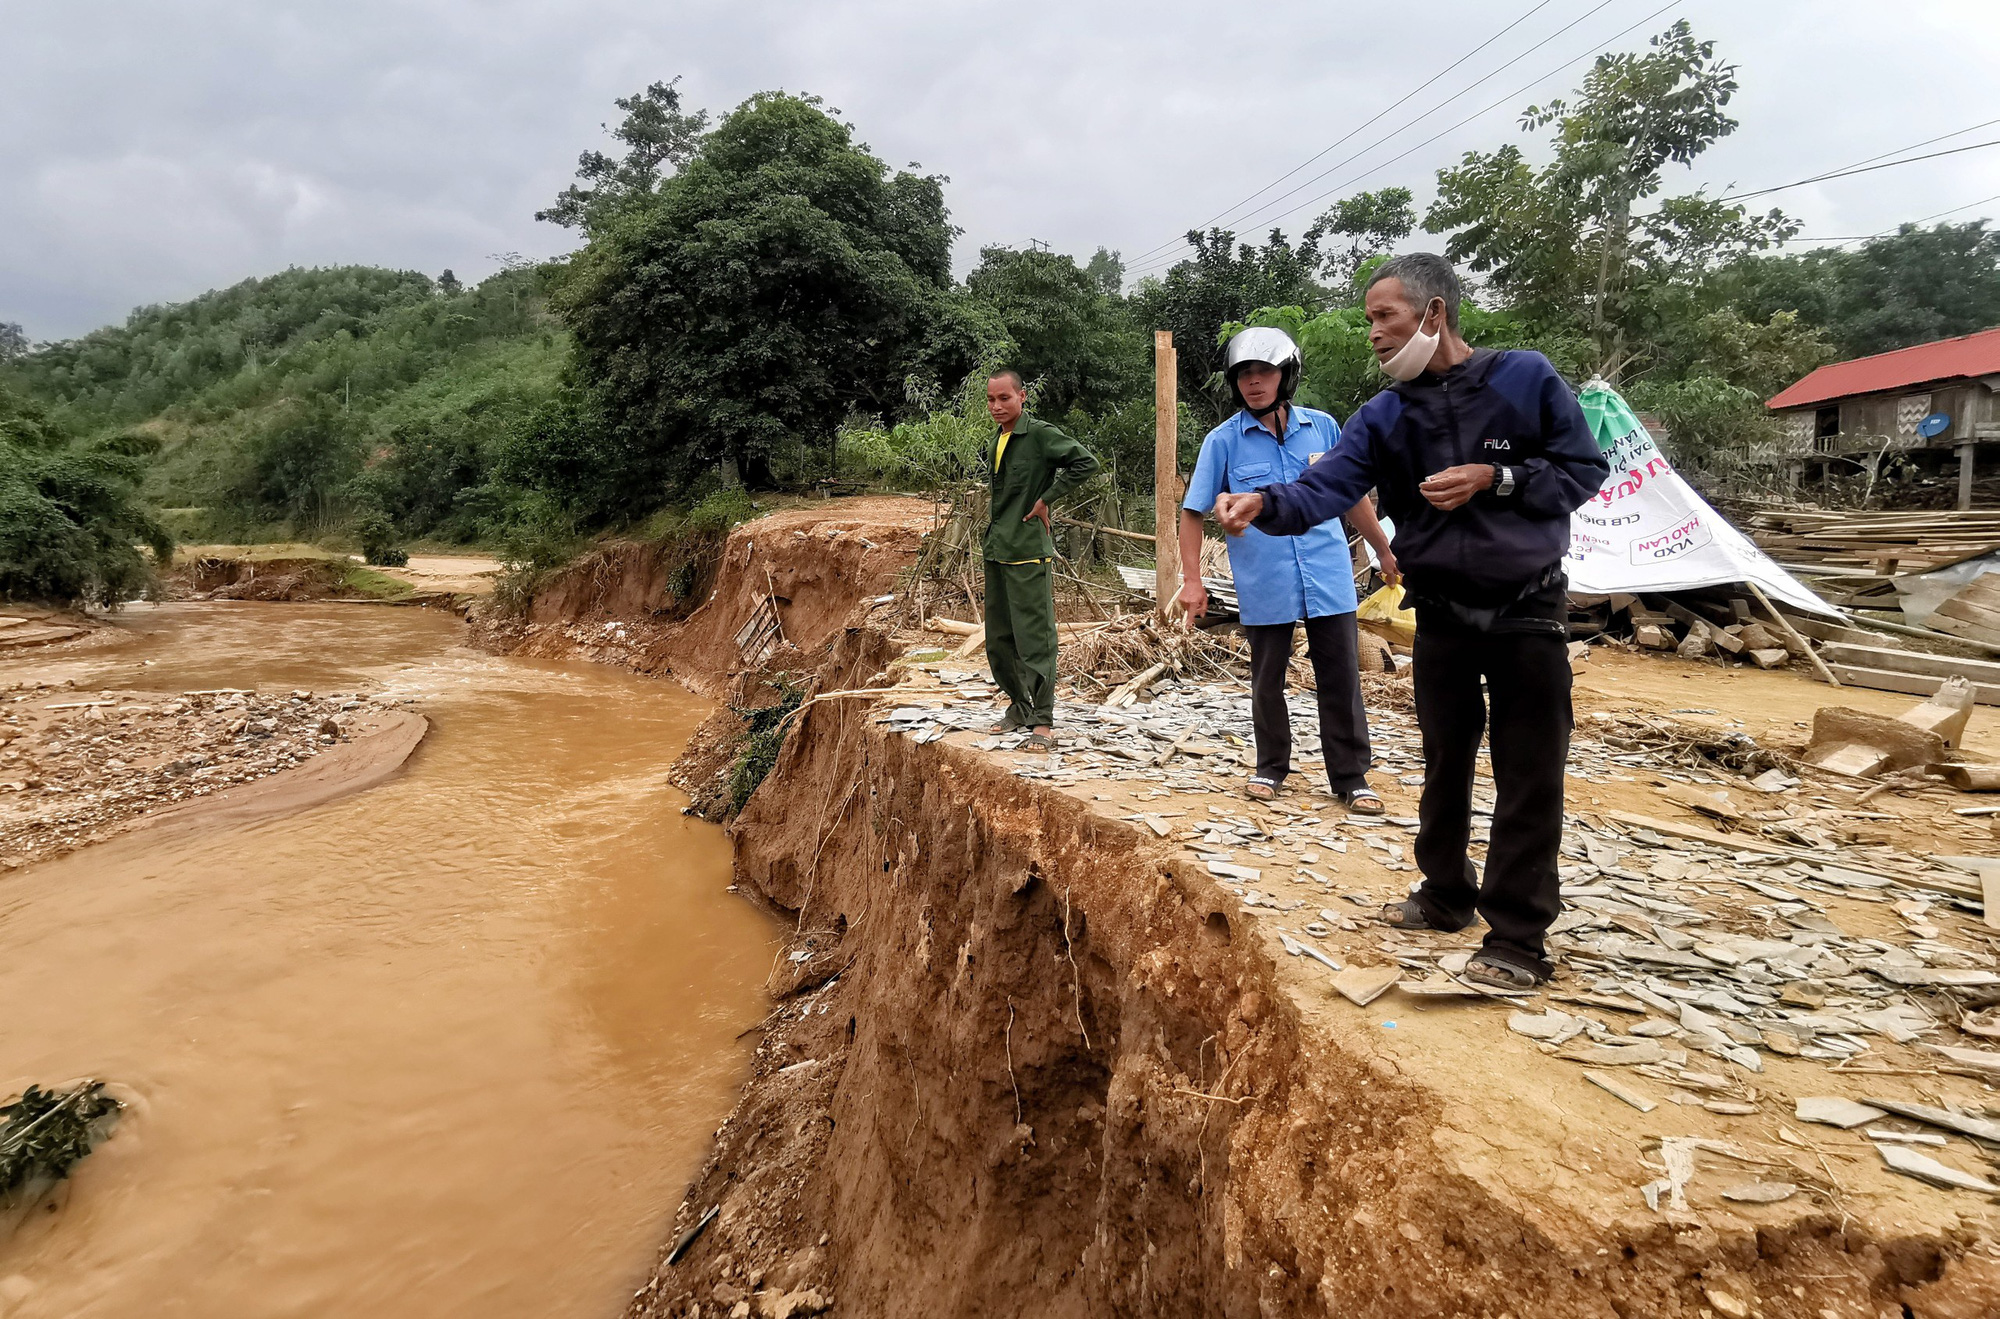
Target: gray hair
pixel 1424 276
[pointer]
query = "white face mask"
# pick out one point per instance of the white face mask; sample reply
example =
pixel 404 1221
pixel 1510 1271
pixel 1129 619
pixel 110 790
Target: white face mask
pixel 1409 361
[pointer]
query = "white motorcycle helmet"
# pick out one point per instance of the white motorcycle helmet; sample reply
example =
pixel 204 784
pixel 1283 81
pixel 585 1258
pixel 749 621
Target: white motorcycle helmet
pixel 1270 347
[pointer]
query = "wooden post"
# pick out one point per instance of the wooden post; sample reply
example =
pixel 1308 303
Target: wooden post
pixel 1166 472
pixel 1965 465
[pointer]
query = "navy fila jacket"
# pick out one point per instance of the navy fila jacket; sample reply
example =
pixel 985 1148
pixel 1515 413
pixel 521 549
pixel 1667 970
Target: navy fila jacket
pixel 1505 407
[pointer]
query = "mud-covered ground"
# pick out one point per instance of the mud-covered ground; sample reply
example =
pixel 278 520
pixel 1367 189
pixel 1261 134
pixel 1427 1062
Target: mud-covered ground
pixel 77 764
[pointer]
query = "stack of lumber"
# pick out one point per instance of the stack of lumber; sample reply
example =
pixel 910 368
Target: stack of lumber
pixel 1889 669
pixel 1847 542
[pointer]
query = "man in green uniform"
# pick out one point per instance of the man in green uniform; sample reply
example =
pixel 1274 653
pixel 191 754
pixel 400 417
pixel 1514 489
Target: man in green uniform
pixel 1033 462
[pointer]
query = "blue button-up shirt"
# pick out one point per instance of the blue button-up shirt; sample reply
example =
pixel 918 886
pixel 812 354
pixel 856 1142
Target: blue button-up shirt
pixel 1279 579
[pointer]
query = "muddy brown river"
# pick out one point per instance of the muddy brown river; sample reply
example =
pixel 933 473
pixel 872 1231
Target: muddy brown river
pixel 451 1046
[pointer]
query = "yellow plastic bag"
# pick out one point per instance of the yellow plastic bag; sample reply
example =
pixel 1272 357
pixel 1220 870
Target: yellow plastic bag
pixel 1383 614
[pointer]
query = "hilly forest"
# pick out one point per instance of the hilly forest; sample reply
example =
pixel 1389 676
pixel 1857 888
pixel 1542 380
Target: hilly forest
pixel 758 304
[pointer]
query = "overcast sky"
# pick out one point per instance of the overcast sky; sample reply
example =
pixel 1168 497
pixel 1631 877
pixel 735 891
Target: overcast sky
pixel 154 149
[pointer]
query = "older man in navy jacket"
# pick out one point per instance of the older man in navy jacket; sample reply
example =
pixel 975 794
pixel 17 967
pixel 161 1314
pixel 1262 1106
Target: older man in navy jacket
pixel 1479 456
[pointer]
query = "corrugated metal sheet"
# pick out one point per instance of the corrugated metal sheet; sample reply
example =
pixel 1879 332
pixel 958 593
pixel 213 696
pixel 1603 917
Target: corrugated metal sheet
pixel 1947 359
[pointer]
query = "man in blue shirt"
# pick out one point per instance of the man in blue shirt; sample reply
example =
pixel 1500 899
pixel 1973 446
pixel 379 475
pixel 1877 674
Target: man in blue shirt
pixel 1480 456
pixel 1282 581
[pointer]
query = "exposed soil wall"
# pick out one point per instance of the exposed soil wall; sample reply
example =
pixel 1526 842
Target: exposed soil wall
pixel 1022 1062
pixel 619 604
pixel 224 578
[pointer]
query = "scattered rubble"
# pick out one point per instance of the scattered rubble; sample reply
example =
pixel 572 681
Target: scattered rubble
pixel 76 764
pixel 1690 958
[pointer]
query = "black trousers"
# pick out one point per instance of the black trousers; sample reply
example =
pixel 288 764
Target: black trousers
pixel 1343 722
pixel 1528 688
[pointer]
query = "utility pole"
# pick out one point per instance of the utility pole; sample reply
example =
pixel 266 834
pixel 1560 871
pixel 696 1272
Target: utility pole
pixel 1166 471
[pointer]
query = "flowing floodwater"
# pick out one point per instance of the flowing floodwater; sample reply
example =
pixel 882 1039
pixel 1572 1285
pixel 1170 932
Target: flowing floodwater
pixel 450 1046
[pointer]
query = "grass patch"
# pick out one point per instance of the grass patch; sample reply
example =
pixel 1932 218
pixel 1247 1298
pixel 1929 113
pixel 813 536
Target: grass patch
pixel 365 581
pixel 763 738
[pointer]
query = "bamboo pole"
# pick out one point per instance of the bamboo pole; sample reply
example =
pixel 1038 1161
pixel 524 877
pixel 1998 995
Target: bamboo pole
pixel 1166 473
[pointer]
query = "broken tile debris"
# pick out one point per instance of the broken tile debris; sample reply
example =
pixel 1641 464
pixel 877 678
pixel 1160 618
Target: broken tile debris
pixel 1690 957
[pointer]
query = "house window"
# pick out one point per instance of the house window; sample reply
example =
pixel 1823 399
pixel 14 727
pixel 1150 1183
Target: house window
pixel 1826 422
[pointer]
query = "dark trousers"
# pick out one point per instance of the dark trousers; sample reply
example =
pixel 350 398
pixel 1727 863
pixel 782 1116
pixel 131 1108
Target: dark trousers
pixel 1021 637
pixel 1343 722
pixel 1527 685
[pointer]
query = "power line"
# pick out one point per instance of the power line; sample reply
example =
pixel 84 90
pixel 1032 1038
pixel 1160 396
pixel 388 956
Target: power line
pixel 1486 109
pixel 1862 169
pixel 1420 118
pixel 1404 100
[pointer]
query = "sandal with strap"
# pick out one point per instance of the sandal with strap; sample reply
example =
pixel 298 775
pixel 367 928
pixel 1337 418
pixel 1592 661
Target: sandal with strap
pixel 1008 723
pixel 1407 915
pixel 1260 788
pixel 1361 801
pixel 1039 742
pixel 1491 973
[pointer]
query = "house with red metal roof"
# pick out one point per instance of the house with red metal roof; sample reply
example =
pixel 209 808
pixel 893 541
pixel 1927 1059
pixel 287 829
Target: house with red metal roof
pixel 1878 404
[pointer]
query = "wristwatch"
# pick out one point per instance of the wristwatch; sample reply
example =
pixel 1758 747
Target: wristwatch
pixel 1503 480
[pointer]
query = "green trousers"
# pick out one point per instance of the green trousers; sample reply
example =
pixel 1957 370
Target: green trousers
pixel 1021 637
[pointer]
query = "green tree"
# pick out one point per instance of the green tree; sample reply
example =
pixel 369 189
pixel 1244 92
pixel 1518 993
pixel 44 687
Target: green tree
pixel 781 282
pixel 300 463
pixel 1223 281
pixel 1068 334
pixel 1107 272
pixel 656 134
pixel 449 285
pixel 1371 223
pixel 1564 244
pixel 13 341
pixel 70 519
pixel 1900 289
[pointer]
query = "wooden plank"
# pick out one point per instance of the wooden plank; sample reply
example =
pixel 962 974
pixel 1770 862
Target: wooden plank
pixel 1916 684
pixel 1984 633
pixel 1913 661
pixel 1166 472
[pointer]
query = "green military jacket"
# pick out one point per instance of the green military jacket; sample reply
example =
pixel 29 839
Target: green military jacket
pixel 1040 463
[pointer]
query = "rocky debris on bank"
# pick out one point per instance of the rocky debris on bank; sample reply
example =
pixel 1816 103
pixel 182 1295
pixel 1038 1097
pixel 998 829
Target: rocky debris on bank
pixel 1689 959
pixel 74 764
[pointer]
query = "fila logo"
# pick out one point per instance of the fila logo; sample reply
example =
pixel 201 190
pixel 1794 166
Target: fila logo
pixel 1498 444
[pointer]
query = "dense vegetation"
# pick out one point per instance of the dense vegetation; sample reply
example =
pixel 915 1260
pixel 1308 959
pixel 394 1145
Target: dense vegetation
pixel 759 301
pixel 70 525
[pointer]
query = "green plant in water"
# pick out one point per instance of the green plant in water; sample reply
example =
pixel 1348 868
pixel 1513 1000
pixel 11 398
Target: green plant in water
pixel 47 1131
pixel 763 738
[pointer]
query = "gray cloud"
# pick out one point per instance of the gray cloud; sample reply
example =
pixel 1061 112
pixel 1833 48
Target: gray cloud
pixel 155 151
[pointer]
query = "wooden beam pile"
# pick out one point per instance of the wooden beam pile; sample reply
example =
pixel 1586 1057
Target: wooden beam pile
pixel 1847 542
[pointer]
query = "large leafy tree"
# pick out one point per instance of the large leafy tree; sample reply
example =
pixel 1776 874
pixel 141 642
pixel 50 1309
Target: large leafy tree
pixel 657 136
pixel 70 519
pixel 782 281
pixel 1070 336
pixel 1224 281
pixel 1566 245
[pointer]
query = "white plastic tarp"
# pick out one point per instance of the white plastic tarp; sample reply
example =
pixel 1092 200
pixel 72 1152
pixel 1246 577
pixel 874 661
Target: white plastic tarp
pixel 1647 530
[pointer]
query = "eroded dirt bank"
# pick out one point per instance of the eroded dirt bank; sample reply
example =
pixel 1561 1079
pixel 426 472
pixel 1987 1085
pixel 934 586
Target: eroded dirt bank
pixel 1023 1060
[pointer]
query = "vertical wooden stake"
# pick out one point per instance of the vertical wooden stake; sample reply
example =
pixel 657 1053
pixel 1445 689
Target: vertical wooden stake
pixel 1166 473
